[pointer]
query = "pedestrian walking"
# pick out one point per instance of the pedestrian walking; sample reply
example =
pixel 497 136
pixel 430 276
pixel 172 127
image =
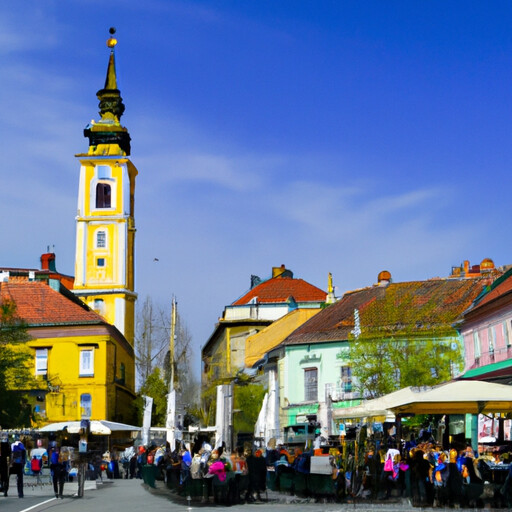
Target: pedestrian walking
pixel 59 468
pixel 5 458
pixel 19 457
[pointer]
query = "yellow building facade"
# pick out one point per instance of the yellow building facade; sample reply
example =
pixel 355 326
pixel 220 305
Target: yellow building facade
pixel 105 232
pixel 83 367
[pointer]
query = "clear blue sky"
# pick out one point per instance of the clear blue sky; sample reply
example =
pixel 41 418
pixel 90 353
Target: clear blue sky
pixel 331 136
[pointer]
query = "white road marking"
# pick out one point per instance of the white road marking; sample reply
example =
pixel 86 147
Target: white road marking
pixel 38 505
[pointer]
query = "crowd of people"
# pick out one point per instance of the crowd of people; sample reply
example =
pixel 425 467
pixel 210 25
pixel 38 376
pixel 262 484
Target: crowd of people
pixel 421 471
pixel 427 474
pixel 366 468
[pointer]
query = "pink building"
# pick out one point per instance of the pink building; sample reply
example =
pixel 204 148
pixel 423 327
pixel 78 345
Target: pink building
pixel 487 332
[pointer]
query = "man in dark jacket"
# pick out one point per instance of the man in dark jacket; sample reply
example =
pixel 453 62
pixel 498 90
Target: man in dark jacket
pixel 257 468
pixel 59 469
pixel 5 458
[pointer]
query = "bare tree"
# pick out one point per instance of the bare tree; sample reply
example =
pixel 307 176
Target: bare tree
pixel 151 340
pixel 152 350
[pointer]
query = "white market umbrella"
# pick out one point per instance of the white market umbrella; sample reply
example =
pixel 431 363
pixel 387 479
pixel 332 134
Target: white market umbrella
pixel 97 427
pixel 259 428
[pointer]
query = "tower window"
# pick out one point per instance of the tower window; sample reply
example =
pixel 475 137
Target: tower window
pixel 101 239
pixel 99 306
pixel 103 195
pixel 100 262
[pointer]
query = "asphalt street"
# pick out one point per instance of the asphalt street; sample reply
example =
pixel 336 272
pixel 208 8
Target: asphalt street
pixel 133 495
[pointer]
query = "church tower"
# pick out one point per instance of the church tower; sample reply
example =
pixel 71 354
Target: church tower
pixel 105 229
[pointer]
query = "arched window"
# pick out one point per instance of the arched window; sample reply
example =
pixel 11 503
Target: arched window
pixel 103 195
pixel 99 306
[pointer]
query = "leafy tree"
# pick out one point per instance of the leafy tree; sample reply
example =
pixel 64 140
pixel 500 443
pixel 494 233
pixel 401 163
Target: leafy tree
pixel 15 376
pixel 384 365
pixel 156 388
pixel 248 398
pixel 404 339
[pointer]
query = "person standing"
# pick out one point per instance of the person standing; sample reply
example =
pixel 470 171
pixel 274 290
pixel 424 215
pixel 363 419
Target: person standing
pixel 5 457
pixel 19 457
pixel 59 469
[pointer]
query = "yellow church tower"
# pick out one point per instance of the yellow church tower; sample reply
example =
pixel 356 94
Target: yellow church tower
pixel 105 229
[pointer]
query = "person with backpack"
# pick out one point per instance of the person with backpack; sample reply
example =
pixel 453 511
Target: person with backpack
pixel 59 469
pixel 36 465
pixel 19 456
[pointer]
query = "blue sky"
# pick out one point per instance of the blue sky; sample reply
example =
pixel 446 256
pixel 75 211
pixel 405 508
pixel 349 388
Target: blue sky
pixel 330 136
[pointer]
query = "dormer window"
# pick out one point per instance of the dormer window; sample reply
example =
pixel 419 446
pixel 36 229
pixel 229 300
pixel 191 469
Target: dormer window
pixel 103 195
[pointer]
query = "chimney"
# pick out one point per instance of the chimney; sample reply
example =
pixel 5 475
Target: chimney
pixel 48 262
pixel 466 267
pixel 384 278
pixel 281 271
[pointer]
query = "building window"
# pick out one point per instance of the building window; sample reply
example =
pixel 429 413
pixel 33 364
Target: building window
pixel 492 339
pixel 99 306
pixel 506 334
pixel 100 262
pixel 87 362
pixel 101 239
pixel 476 342
pixel 310 384
pixel 346 379
pixel 86 405
pixel 103 195
pixel 41 361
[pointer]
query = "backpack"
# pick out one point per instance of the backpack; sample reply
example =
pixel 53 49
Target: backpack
pixel 304 463
pixel 35 464
pixel 195 468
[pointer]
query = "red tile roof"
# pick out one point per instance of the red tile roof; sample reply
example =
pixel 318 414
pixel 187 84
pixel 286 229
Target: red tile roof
pixel 38 304
pixel 500 287
pixel 418 306
pixel 280 289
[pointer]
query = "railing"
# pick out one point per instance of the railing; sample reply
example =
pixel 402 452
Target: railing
pixel 338 393
pixel 492 356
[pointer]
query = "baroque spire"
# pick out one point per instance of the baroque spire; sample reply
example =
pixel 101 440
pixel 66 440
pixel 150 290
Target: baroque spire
pixel 108 129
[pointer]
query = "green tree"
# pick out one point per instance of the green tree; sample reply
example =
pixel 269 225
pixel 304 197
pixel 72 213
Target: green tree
pixel 247 404
pixel 155 387
pixel 15 375
pixel 404 338
pixel 383 365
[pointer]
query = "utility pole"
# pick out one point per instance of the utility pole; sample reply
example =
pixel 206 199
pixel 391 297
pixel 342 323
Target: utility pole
pixel 170 423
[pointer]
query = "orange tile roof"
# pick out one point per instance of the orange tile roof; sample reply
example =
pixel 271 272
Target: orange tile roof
pixel 414 306
pixel 280 289
pixel 499 287
pixel 38 304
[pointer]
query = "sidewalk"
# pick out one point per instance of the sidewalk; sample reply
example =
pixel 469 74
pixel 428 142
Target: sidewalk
pixel 31 486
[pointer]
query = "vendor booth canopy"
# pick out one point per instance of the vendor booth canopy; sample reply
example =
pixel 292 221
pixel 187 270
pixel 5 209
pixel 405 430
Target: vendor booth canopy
pixel 455 397
pixel 101 427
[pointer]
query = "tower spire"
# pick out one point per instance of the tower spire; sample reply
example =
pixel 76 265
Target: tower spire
pixel 108 129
